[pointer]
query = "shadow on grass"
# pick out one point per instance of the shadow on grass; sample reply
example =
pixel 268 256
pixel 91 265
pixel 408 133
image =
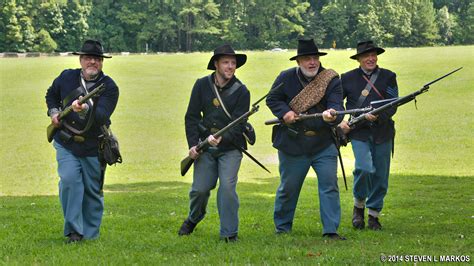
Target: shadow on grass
pixel 429 215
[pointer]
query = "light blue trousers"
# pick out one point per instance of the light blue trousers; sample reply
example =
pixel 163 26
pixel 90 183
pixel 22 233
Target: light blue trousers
pixel 208 169
pixel 79 193
pixel 293 171
pixel 371 171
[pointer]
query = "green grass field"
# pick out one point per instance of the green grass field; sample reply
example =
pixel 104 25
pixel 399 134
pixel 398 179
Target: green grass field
pixel 429 208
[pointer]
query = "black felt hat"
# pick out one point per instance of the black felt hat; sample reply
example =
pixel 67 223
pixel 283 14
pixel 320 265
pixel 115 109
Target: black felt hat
pixel 307 47
pixel 226 49
pixel 365 47
pixel 92 47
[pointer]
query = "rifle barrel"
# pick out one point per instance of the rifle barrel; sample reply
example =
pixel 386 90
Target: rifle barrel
pixel 398 102
pixel 315 115
pixel 440 78
pixel 187 162
pixel 84 99
pixel 51 129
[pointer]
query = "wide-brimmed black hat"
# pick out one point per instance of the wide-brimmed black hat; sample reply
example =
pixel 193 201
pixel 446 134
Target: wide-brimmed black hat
pixel 365 47
pixel 226 49
pixel 307 47
pixel 92 47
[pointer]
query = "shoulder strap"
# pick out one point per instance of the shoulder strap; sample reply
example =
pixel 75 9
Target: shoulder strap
pixel 225 93
pixel 72 95
pixel 218 96
pixel 91 114
pixel 313 92
pixel 232 89
pixel 365 92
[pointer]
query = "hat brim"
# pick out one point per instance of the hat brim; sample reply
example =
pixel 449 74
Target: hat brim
pixel 99 55
pixel 312 53
pixel 376 49
pixel 239 58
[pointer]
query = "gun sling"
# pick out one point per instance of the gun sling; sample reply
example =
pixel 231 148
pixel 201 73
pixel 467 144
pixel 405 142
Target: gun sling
pixel 77 134
pixel 228 92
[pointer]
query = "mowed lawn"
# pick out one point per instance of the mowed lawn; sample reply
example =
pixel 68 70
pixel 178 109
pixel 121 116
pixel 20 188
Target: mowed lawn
pixel 429 208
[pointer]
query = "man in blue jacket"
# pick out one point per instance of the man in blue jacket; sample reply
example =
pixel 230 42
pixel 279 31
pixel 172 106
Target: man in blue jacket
pixel 216 100
pixel 307 88
pixel 372 141
pixel 76 140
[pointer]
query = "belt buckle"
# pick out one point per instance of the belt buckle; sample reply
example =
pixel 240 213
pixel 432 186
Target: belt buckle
pixel 310 133
pixel 78 138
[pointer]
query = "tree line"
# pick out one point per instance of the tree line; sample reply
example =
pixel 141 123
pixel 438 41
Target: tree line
pixel 197 25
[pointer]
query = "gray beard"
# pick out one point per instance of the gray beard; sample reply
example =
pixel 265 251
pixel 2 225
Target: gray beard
pixel 308 75
pixel 90 76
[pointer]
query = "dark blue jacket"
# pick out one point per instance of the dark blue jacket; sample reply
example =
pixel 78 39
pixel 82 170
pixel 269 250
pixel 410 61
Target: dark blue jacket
pixel 202 110
pixel 68 81
pixel 353 83
pixel 284 137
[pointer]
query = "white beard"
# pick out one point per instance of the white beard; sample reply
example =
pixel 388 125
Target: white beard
pixel 90 74
pixel 309 74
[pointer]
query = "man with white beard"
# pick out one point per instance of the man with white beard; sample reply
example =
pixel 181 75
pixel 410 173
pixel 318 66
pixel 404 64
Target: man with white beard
pixel 308 88
pixel 76 140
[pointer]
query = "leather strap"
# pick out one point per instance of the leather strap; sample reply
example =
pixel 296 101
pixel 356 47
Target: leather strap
pixel 367 89
pixel 373 87
pixel 91 113
pixel 226 93
pixel 72 95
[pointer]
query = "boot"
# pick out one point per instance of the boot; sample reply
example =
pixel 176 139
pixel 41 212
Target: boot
pixel 374 223
pixel 186 228
pixel 358 218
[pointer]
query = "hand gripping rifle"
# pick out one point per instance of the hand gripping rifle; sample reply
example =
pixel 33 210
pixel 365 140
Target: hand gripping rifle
pixel 398 102
pixel 301 117
pixel 202 146
pixel 391 103
pixel 51 130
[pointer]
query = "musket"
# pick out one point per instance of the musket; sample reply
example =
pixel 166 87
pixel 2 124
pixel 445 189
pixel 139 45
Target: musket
pixel 52 129
pixel 397 102
pixel 203 145
pixel 301 117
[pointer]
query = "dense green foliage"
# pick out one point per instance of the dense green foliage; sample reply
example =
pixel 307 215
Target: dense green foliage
pixel 428 208
pixel 197 25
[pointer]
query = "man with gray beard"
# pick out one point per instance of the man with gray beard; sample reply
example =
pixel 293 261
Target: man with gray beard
pixel 308 88
pixel 77 140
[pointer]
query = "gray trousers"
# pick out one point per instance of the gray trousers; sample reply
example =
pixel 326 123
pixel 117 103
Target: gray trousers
pixel 208 168
pixel 79 193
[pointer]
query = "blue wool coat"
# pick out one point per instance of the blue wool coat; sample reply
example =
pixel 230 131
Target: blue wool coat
pixel 203 112
pixel 68 81
pixel 353 83
pixel 284 138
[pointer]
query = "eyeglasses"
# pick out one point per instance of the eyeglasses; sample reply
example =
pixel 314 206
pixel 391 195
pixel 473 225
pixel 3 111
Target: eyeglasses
pixel 89 58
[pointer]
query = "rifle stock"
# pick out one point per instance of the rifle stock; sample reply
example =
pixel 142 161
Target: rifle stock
pixel 51 129
pixel 188 161
pixel 186 164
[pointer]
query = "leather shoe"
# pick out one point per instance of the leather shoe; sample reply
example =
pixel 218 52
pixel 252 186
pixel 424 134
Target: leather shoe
pixel 281 232
pixel 229 239
pixel 186 228
pixel 73 238
pixel 358 218
pixel 374 223
pixel 334 236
